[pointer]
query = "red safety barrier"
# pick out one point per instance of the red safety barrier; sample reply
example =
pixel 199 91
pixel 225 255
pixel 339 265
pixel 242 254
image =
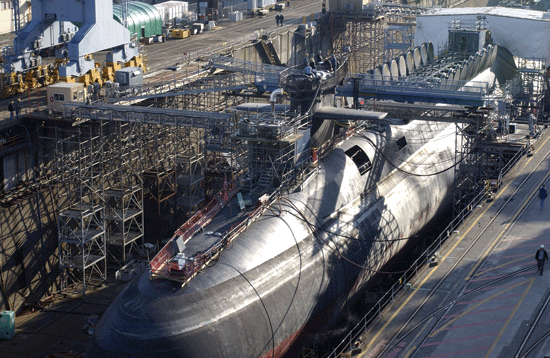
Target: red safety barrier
pixel 200 261
pixel 159 264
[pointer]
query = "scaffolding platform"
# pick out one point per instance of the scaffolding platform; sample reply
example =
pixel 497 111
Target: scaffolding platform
pixel 414 90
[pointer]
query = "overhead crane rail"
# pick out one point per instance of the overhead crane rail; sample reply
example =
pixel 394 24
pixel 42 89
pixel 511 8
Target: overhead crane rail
pixel 414 89
pixel 176 93
pixel 147 115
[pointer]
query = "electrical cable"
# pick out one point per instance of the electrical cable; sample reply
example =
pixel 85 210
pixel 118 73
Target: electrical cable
pixel 404 171
pixel 389 157
pixel 347 236
pixel 409 140
pixel 299 278
pixel 261 301
pixel 306 221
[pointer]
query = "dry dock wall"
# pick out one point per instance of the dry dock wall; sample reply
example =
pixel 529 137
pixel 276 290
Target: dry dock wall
pixel 28 250
pixel 290 47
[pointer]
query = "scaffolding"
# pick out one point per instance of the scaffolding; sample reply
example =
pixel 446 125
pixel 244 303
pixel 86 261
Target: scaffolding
pixel 124 220
pixel 77 178
pixel 398 39
pixel 528 88
pixel 190 194
pixel 160 197
pixel 123 190
pixel 271 162
pixel 210 93
pixel 375 35
pixel 363 37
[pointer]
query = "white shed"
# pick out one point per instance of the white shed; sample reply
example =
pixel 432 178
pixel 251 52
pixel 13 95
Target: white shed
pixel 173 10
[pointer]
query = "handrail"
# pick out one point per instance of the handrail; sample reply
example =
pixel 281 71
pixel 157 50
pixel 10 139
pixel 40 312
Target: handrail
pixel 201 260
pixel 389 84
pixel 190 227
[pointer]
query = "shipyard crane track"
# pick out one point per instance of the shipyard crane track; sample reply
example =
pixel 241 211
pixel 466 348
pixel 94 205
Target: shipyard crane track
pixel 531 330
pixel 396 339
pixel 161 56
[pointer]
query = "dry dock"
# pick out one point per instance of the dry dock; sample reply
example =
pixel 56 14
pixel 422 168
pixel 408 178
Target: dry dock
pixel 481 299
pixel 57 330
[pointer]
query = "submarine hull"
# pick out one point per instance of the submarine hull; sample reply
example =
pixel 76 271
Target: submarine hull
pixel 302 260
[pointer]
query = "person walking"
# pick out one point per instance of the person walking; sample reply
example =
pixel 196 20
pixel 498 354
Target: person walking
pixel 543 194
pixel 11 108
pixel 281 19
pixel 541 256
pixel 18 108
pixel 278 19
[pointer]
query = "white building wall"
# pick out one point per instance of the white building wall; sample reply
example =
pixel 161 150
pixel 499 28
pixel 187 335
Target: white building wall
pixel 6 15
pixel 524 33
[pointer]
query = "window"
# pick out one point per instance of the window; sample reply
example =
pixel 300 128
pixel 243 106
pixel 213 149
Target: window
pixel 58 97
pixel 401 143
pixel 6 5
pixel 360 159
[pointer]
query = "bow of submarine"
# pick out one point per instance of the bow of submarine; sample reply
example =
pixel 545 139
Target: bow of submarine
pixel 159 318
pixel 217 313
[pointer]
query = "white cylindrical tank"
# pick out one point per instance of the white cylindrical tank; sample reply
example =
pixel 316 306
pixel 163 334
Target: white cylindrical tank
pixel 386 74
pixel 424 54
pixel 394 70
pixel 402 66
pixel 431 52
pixel 410 62
pixel 377 76
pixel 416 58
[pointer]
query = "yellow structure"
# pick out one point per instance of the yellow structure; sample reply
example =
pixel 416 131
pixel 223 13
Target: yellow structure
pixel 44 75
pixel 180 33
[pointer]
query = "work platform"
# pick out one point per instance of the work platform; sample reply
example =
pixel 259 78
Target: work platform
pixel 413 89
pixel 480 294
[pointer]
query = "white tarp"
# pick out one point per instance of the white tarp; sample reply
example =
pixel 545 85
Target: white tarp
pixel 525 33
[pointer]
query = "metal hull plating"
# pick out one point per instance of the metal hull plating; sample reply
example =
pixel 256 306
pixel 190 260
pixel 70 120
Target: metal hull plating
pixel 308 253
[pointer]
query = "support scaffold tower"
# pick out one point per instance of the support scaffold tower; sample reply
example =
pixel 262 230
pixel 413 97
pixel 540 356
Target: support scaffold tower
pixel 190 165
pixel 123 194
pixel 362 35
pixel 78 181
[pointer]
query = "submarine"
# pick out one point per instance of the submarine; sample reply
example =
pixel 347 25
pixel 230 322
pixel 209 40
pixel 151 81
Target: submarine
pixel 252 271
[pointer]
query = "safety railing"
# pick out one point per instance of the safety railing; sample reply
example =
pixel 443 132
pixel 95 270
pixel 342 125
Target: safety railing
pixel 418 86
pixel 159 264
pixel 201 259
